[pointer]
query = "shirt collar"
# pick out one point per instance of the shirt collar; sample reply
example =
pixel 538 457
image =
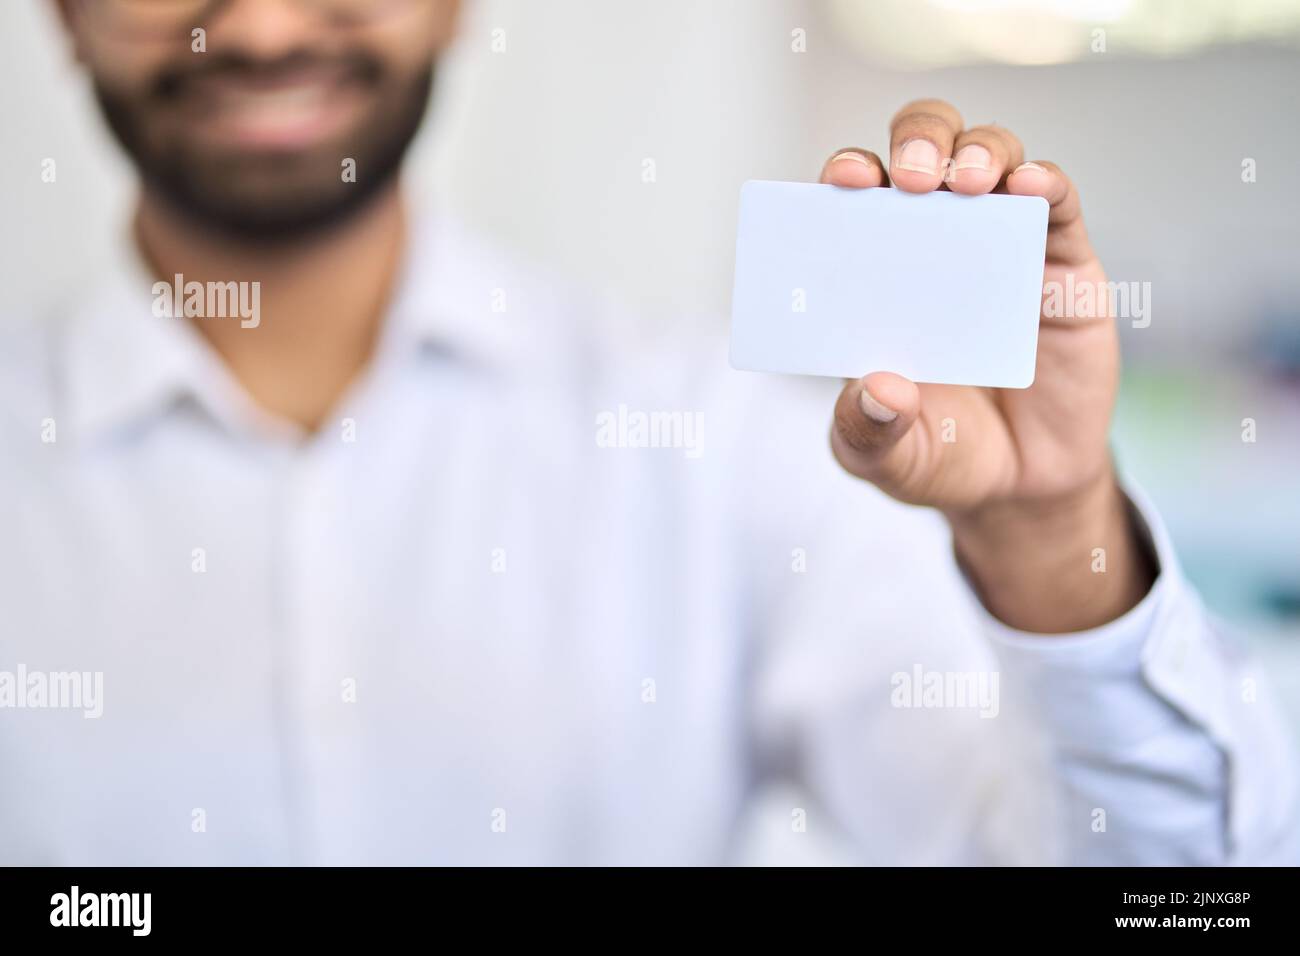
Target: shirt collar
pixel 125 365
pixel 460 295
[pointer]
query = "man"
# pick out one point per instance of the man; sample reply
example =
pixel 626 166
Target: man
pixel 351 576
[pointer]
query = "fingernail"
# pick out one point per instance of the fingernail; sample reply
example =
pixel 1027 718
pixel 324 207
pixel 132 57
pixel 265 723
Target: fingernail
pixel 1041 169
pixel 850 154
pixel 874 410
pixel 972 157
pixel 919 156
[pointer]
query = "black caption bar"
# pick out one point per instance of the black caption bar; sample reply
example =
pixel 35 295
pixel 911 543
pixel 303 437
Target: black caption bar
pixel 337 906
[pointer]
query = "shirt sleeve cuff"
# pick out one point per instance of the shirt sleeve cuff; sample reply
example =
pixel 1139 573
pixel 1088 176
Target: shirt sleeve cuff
pixel 1162 693
pixel 1083 684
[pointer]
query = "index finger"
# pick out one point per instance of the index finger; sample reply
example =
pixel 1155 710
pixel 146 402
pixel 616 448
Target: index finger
pixel 921 135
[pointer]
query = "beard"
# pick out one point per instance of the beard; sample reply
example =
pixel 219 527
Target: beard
pixel 268 196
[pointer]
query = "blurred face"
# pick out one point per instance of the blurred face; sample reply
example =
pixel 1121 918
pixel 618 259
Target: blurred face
pixel 247 115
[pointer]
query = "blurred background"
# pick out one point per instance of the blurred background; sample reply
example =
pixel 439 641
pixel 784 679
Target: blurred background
pixel 611 140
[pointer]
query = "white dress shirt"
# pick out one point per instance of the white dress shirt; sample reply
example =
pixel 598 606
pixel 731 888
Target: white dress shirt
pixel 456 626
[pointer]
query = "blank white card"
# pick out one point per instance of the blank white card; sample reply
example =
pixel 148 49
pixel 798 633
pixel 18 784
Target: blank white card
pixel 938 287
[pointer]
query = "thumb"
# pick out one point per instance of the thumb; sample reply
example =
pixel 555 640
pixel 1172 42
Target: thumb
pixel 873 435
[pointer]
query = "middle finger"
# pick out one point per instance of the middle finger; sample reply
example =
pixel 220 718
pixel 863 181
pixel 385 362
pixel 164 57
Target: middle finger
pixel 981 156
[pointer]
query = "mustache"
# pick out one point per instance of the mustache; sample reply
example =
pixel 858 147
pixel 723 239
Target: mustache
pixel 175 81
